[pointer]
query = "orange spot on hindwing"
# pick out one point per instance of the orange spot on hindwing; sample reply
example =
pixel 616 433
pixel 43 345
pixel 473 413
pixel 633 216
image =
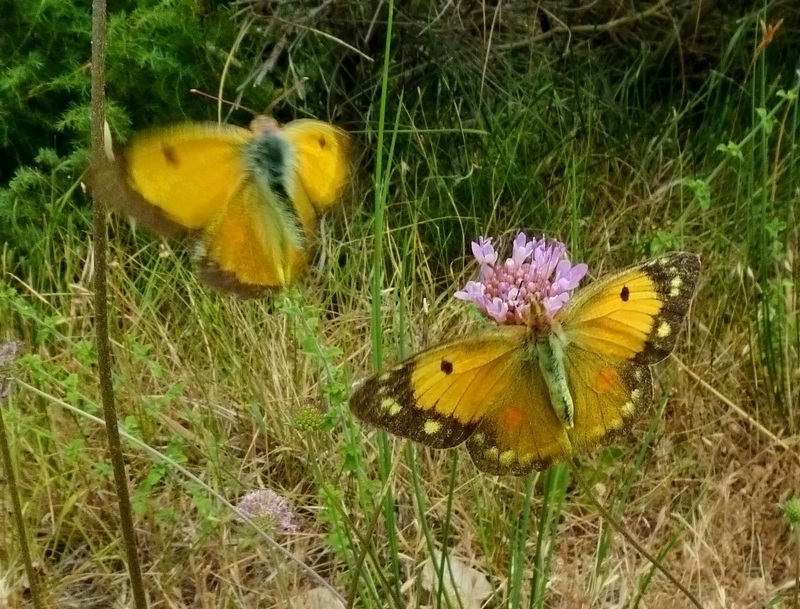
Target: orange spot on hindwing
pixel 605 379
pixel 513 417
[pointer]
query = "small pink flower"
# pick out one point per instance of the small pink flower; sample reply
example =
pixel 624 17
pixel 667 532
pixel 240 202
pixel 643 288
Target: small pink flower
pixel 538 271
pixel 483 251
pixel 269 510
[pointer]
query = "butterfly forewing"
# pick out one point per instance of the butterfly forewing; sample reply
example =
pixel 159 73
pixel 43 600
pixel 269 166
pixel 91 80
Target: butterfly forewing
pixel 636 313
pixel 187 171
pixel 439 396
pixel 322 153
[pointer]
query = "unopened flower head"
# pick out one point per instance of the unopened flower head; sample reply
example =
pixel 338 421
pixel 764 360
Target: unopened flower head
pixel 537 272
pixel 308 418
pixel 269 510
pixel 791 510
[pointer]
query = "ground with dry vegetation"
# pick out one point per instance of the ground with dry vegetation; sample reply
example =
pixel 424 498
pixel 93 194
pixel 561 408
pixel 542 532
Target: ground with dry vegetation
pixel 623 130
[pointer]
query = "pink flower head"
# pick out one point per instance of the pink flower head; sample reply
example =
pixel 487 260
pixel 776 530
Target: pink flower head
pixel 269 510
pixel 538 271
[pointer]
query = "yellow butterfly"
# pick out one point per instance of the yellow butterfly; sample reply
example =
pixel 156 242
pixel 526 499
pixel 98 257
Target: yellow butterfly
pixel 249 199
pixel 526 396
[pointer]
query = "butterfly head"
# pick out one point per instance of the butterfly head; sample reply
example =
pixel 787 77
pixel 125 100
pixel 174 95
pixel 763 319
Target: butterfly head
pixel 264 124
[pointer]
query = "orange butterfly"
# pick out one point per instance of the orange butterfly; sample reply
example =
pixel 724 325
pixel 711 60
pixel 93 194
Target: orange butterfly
pixel 525 396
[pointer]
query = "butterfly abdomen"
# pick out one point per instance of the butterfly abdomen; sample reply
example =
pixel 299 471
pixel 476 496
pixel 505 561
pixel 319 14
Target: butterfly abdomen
pixel 550 358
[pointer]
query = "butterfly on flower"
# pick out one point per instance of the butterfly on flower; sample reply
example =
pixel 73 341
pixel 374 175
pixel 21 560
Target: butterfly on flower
pixel 559 375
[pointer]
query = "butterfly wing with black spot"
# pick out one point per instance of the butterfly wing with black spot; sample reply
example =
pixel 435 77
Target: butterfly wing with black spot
pixel 321 159
pixel 175 179
pixel 615 328
pixel 438 396
pixel 483 388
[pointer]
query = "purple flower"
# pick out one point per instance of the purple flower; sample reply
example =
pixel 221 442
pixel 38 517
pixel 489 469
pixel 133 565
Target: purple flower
pixel 537 272
pixel 269 510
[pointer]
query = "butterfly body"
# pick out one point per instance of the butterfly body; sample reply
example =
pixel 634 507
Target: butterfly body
pixel 550 346
pixel 249 199
pixel 526 396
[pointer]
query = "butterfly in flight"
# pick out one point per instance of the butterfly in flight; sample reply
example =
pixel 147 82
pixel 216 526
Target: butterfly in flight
pixel 249 200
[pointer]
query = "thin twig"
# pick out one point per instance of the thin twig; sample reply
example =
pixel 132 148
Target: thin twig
pixel 578 29
pixel 8 352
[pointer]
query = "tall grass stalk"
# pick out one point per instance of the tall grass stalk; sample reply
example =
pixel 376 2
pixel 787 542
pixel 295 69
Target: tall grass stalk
pixel 381 184
pixel 519 541
pixel 8 353
pixel 103 342
pixel 555 487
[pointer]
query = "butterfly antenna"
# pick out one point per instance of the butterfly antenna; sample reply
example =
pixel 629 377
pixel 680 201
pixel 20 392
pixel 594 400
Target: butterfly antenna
pixel 296 87
pixel 236 105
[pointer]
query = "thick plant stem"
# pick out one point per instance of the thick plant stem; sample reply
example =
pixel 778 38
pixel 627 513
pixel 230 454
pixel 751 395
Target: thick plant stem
pixel 101 308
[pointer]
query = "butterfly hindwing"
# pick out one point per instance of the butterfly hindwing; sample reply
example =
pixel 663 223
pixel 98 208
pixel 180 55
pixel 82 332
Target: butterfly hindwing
pixel 245 249
pixel 520 432
pixel 607 395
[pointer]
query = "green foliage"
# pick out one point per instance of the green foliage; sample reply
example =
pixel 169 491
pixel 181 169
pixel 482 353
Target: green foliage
pixel 791 511
pixel 732 150
pixel 702 191
pixel 157 51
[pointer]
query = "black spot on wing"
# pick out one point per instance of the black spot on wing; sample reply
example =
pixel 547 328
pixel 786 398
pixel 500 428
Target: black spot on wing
pixel 447 367
pixel 388 401
pixel 625 294
pixel 170 156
